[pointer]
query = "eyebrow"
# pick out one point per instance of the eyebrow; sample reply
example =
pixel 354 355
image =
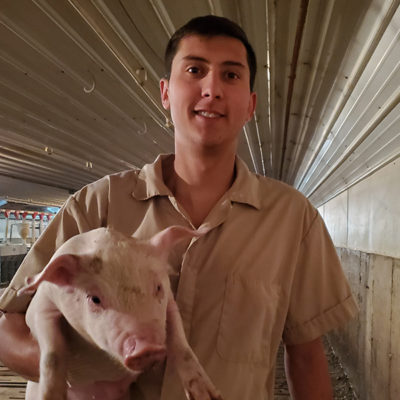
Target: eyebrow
pixel 202 59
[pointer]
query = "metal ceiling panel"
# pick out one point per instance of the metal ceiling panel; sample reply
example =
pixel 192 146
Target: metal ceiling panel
pixel 79 91
pixel 360 124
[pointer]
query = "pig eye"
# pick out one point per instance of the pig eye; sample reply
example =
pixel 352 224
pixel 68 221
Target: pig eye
pixel 94 299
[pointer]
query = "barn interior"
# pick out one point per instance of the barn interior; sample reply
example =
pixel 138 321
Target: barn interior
pixel 79 99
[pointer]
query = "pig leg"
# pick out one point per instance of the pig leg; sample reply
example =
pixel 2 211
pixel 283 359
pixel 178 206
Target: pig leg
pixel 45 320
pixel 52 384
pixel 195 381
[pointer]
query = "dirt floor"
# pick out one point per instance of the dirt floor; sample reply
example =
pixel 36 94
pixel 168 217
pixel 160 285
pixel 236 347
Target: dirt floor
pixel 342 387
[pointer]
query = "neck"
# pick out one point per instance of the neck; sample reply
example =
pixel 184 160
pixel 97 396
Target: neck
pixel 199 180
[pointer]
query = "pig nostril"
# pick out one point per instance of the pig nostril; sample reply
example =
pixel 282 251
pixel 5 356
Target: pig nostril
pixel 129 346
pixel 159 291
pixel 146 358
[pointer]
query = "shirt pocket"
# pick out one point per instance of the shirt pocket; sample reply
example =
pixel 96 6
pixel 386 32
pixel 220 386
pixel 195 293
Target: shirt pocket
pixel 248 321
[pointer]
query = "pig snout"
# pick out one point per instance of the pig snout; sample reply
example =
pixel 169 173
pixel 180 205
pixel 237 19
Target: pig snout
pixel 140 355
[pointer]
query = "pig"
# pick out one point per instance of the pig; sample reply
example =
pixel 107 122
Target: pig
pixel 104 312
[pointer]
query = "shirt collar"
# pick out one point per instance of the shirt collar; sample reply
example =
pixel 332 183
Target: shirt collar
pixel 150 183
pixel 245 188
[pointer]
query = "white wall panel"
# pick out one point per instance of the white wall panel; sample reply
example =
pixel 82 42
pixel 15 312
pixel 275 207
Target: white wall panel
pixel 368 214
pixel 374 213
pixel 335 216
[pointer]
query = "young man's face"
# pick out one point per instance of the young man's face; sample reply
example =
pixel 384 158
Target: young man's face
pixel 208 92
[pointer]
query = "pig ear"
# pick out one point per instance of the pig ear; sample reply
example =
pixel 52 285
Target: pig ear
pixel 60 271
pixel 165 240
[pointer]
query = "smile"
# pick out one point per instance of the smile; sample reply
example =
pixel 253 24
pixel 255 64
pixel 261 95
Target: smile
pixel 208 114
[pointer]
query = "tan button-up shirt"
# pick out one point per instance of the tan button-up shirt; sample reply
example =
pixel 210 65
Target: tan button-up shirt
pixel 266 271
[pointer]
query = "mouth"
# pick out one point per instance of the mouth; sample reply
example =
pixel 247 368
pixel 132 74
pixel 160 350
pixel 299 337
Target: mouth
pixel 208 114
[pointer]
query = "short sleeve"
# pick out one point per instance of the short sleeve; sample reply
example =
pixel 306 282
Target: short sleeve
pixel 320 298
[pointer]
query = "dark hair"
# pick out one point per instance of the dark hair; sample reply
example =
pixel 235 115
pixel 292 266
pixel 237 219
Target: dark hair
pixel 210 25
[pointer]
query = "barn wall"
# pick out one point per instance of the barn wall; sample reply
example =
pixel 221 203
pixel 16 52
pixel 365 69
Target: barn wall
pixel 364 223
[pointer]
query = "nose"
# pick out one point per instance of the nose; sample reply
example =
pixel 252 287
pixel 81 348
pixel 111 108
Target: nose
pixel 212 86
pixel 142 354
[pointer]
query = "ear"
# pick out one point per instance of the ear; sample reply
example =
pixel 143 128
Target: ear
pixel 61 271
pixel 164 86
pixel 252 105
pixel 165 240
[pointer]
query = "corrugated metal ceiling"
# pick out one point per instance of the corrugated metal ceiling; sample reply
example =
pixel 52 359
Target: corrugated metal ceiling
pixel 79 93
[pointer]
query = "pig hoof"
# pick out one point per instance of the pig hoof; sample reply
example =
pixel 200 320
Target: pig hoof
pixel 192 396
pixel 199 390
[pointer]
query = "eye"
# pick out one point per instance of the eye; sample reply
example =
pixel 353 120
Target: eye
pixel 193 70
pixel 232 75
pixel 94 299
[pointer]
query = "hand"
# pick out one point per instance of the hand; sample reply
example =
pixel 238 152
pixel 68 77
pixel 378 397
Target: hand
pixel 19 351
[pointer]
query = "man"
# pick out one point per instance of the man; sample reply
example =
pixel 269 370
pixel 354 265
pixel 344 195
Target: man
pixel 265 271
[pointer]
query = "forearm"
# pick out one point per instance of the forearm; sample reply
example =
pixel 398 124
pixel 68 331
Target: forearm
pixel 307 372
pixel 18 349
